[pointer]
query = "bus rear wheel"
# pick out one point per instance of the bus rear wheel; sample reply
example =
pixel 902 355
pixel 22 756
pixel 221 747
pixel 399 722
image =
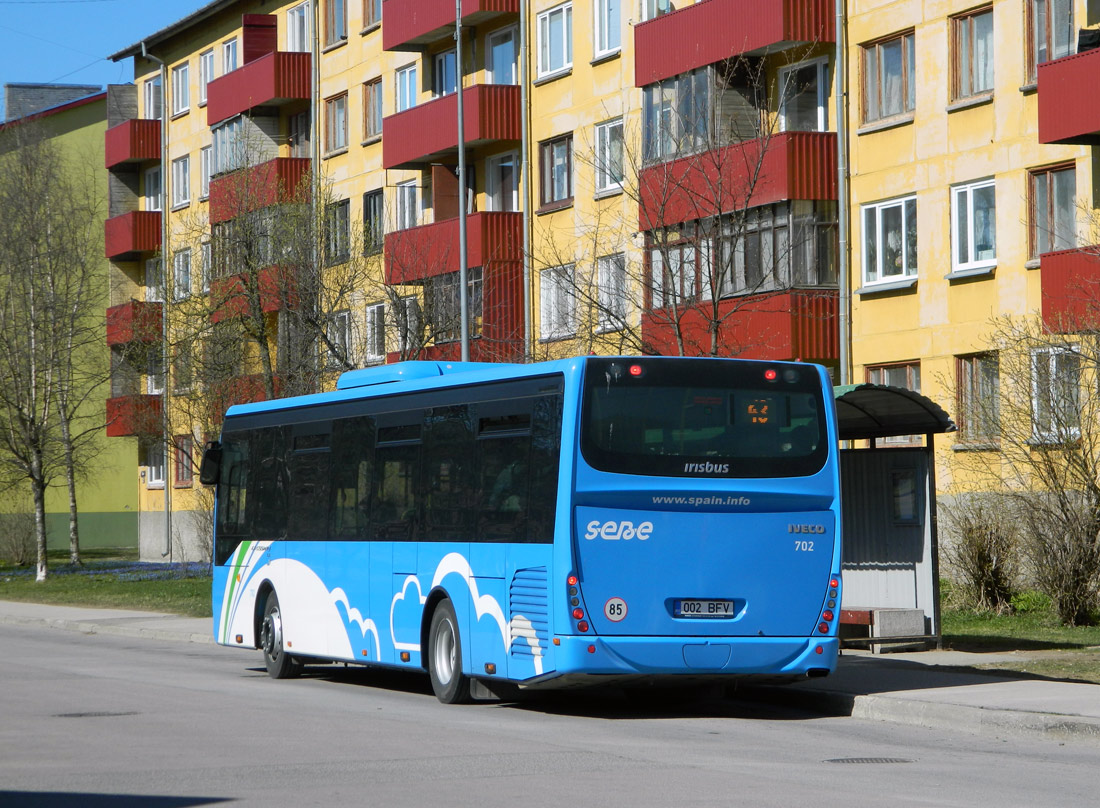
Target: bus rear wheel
pixel 280 664
pixel 450 685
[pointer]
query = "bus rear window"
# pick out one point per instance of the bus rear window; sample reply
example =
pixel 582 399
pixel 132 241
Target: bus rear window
pixel 703 418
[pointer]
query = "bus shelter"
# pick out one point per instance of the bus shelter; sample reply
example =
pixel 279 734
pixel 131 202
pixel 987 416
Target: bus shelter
pixel 890 561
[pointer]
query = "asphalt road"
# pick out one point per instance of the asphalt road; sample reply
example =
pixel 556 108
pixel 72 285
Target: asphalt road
pixel 100 720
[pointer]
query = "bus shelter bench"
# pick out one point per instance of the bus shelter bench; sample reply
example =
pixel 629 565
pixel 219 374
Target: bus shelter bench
pixel 875 627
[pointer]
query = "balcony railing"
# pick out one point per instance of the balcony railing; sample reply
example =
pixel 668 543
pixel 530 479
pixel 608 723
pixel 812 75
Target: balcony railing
pixel 1065 113
pixel 428 133
pixel 790 165
pixel 134 322
pixel 1070 283
pixel 271 80
pixel 248 189
pixel 275 288
pixel 712 31
pixel 133 415
pixel 131 233
pixel 413 255
pixel 787 324
pixel 133 141
pixel 240 390
pixel 415 24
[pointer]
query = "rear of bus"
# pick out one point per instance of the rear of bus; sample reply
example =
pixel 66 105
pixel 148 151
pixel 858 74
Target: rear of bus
pixel 705 520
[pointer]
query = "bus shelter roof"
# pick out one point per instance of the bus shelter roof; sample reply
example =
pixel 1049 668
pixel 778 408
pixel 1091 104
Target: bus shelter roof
pixel 868 411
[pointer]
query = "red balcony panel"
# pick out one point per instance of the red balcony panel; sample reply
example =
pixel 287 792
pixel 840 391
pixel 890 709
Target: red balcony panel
pixel 423 252
pixel 790 324
pixel 134 322
pixel 240 390
pixel 271 183
pixel 132 141
pixel 414 24
pixel 1070 283
pixel 792 165
pixel 133 415
pixel 131 233
pixel 275 288
pixel 714 30
pixel 271 80
pixel 259 36
pixel 1065 113
pixel 427 133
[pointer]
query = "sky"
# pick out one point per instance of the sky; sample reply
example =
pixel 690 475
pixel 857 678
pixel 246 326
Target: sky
pixel 69 41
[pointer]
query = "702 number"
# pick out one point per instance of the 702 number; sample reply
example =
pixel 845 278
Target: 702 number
pixel 801 546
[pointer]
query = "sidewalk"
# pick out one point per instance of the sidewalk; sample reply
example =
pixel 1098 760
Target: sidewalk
pixel 932 689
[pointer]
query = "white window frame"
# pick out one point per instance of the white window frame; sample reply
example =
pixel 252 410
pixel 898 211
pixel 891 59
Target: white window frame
pixel 405 87
pixel 206 73
pixel 206 168
pixel 609 159
pixel 407 209
pixel 785 78
pixel 154 372
pixel 607 33
pixel 553 64
pixel 962 205
pixel 557 303
pixel 499 198
pixel 654 8
pixel 298 21
pixel 909 266
pixel 153 99
pixel 181 89
pixel 338 331
pixel 207 267
pixel 336 123
pixel 375 332
pixel 154 189
pixel 154 281
pixel 181 275
pixel 229 150
pixel 441 85
pixel 154 457
pixel 511 35
pixel 229 55
pixel 1045 428
pixel 407 323
pixel 181 181
pixel 611 291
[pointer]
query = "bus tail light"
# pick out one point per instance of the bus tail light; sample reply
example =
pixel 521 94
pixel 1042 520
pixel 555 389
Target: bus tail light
pixel 827 618
pixel 578 614
pixel 576 605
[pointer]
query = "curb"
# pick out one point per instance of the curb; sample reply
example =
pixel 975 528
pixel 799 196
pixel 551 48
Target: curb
pixel 84 627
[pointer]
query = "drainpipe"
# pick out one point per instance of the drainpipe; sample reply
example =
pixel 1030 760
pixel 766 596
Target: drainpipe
pixel 844 326
pixel 314 130
pixel 463 273
pixel 166 423
pixel 525 177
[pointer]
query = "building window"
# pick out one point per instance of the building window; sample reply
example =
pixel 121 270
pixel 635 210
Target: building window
pixel 206 164
pixel 181 89
pixel 502 173
pixel 181 275
pixel 406 316
pixel 154 373
pixel 889 81
pixel 655 8
pixel 444 305
pixel 974 225
pixel 152 98
pixel 184 463
pixel 206 73
pixel 978 392
pixel 372 109
pixel 1055 394
pixel 154 189
pixel 207 268
pixel 676 115
pixel 336 21
pixel 336 332
pixel 674 275
pixel 182 368
pixel 228 145
pixel 890 240
pixel 609 156
pixel 376 332
pixel 611 292
pixel 298 134
pixel 503 56
pixel 154 460
pixel 405 78
pixel 374 224
pixel 1051 32
pixel 1053 221
pixel 297 28
pixel 154 281
pixel 608 37
pixel 905 375
pixel 556 168
pixel 557 303
pixel 229 55
pixel 555 45
pixel 444 73
pixel 973 62
pixel 804 100
pixel 337 231
pixel 372 13
pixel 181 181
pixel 408 207
pixel 336 123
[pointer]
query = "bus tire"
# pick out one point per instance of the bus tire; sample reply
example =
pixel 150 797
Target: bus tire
pixel 450 684
pixel 280 664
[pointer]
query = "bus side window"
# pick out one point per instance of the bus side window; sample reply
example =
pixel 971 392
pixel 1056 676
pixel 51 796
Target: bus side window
pixel 269 483
pixel 308 472
pixel 448 474
pixel 352 459
pixel 546 418
pixel 395 496
pixel 232 496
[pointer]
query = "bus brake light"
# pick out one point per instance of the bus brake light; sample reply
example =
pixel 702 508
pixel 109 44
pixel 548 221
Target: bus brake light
pixel 578 614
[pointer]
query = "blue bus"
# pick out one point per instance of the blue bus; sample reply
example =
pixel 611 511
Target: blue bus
pixel 546 525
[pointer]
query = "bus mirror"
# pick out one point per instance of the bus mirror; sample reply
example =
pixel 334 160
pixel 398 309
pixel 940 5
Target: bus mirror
pixel 211 465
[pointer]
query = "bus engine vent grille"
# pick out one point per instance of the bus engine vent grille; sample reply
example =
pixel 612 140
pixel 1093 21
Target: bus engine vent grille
pixel 528 603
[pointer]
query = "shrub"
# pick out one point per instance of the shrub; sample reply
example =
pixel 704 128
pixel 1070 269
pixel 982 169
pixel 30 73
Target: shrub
pixel 981 551
pixel 17 539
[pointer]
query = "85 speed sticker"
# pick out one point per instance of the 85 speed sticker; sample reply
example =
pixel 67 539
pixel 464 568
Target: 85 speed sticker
pixel 615 610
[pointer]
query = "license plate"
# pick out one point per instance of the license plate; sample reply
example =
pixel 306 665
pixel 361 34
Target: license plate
pixel 716 609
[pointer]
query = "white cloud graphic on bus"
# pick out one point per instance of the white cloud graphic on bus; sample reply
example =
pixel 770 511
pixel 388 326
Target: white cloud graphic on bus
pixel 615 531
pixel 415 616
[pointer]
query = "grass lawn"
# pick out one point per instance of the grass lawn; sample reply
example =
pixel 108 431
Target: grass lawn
pixel 113 579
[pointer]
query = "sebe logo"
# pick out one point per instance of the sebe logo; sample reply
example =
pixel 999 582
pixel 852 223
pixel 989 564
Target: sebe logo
pixel 614 531
pixel 706 468
pixel 806 529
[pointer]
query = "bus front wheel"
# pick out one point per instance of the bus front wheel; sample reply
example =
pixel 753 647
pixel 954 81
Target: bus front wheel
pixel 280 664
pixel 451 686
